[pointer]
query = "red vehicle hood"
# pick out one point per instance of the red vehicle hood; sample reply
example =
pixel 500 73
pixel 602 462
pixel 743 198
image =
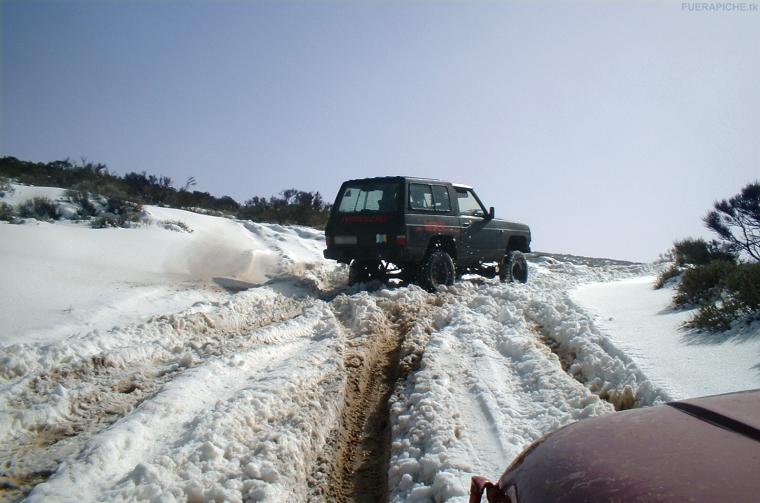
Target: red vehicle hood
pixel 705 449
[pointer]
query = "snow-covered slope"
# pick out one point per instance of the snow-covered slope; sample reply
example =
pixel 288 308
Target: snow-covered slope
pixel 215 364
pixel 643 324
pixel 63 278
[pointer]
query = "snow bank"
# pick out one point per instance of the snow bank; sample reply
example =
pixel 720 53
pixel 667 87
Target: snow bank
pixel 64 278
pixel 131 325
pixel 72 386
pixel 488 383
pixel 244 426
pixel 641 322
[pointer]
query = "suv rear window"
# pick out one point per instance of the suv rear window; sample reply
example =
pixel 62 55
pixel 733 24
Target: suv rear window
pixel 370 197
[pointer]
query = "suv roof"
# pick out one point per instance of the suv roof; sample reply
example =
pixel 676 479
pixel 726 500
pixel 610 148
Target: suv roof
pixel 398 178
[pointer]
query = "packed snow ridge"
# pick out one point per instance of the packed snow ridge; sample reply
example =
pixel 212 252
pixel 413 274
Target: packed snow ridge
pixel 155 364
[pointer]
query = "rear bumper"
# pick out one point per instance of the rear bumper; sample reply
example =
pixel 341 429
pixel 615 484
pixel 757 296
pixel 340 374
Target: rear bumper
pixel 345 254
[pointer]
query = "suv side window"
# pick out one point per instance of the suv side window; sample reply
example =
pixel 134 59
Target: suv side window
pixel 429 197
pixel 441 198
pixel 420 197
pixel 468 205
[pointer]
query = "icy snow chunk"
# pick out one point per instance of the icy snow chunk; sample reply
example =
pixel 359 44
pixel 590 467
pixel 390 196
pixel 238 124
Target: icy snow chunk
pixel 143 474
pixel 409 466
pixel 186 360
pixel 210 452
pixel 447 486
pixel 420 493
pixel 406 482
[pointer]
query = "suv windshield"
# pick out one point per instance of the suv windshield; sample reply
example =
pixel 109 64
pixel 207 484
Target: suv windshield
pixel 370 197
pixel 468 204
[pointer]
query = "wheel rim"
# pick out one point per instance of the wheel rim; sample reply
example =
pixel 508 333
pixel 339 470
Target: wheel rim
pixel 516 271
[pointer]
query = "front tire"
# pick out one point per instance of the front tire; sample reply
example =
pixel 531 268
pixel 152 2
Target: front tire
pixel 437 269
pixel 513 267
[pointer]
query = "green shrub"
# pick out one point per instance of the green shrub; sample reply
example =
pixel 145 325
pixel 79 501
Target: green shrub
pixel 40 208
pixel 7 213
pixel 82 199
pixel 175 225
pixel 713 317
pixel 291 207
pixel 690 253
pixel 105 221
pixel 119 213
pixel 106 188
pixel 699 252
pixel 724 291
pixel 744 287
pixel 5 187
pixel 127 209
pixel 667 274
pixel 703 284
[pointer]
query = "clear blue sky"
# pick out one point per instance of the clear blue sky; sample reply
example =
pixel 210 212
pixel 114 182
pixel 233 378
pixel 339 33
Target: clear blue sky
pixel 609 127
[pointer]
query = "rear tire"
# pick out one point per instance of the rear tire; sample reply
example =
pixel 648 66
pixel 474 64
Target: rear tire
pixel 410 273
pixel 513 267
pixel 362 271
pixel 437 269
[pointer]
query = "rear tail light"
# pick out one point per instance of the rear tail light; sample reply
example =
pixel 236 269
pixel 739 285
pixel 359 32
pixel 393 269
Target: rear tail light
pixel 401 240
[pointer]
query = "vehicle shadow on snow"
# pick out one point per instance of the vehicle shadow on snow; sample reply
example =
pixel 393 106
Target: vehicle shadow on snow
pixel 296 286
pixel 233 285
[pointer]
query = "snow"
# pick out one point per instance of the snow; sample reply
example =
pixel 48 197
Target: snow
pixel 154 363
pixel 224 429
pixel 641 322
pixel 22 193
pixel 489 384
pixel 62 279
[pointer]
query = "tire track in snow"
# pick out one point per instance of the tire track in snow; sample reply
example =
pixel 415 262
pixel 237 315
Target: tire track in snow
pixel 355 463
pixel 481 416
pixel 166 422
pixel 486 388
pixel 475 411
pixel 354 468
pixel 589 356
pixel 68 400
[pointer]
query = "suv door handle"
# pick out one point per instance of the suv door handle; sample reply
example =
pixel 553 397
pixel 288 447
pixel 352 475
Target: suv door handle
pixel 466 224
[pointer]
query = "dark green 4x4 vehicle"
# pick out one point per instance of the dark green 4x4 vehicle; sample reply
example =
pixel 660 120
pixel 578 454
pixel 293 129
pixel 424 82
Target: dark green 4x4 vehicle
pixel 421 230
